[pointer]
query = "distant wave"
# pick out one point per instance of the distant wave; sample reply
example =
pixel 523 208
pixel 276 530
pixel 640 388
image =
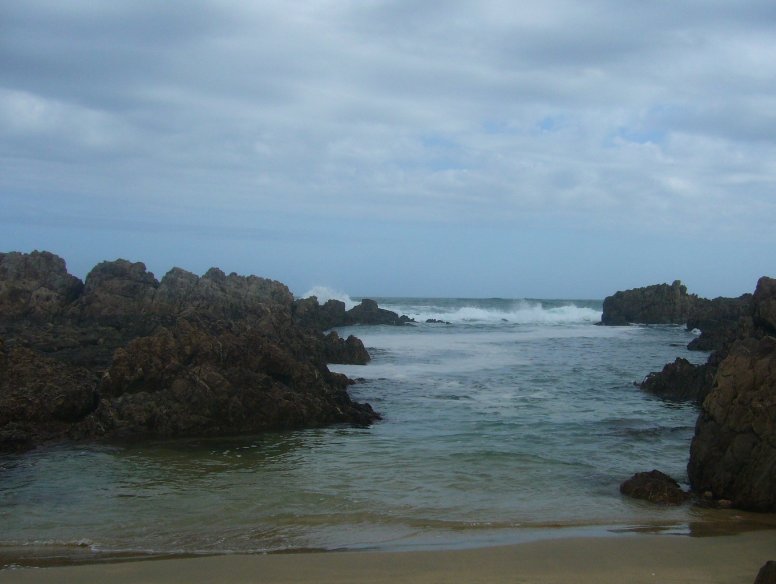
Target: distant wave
pixel 322 293
pixel 522 312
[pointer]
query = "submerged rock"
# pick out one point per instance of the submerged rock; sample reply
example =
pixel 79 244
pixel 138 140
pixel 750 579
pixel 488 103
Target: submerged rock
pixel 655 487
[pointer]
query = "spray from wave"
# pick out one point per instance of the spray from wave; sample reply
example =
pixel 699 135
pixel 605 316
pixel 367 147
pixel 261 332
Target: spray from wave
pixel 322 293
pixel 518 312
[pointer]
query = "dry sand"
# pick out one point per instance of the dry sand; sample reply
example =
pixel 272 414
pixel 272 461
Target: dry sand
pixel 632 559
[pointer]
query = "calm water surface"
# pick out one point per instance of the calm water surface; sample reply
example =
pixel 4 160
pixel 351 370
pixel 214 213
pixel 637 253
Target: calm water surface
pixel 517 418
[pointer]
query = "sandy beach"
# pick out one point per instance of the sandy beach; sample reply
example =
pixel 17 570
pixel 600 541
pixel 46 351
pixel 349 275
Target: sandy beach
pixel 634 559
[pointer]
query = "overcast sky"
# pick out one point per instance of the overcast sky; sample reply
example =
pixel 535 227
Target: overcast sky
pixel 485 148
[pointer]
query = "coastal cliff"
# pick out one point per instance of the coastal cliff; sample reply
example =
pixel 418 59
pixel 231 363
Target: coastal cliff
pixel 125 355
pixel 733 451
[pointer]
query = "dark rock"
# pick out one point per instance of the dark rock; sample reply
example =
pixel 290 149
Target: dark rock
pixel 681 381
pixel 369 313
pixel 309 314
pixel 211 355
pixel 436 321
pixel 767 574
pixel 185 381
pixel 655 487
pixel 350 351
pixel 733 452
pixel 40 397
pixel 718 320
pixel 35 286
pixel 764 301
pixel 658 304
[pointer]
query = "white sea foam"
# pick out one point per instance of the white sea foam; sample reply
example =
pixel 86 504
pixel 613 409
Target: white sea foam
pixel 322 293
pixel 521 312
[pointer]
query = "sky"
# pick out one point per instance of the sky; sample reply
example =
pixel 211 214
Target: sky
pixel 541 149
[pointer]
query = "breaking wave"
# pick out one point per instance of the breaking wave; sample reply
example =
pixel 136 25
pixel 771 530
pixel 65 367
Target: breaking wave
pixel 518 312
pixel 322 293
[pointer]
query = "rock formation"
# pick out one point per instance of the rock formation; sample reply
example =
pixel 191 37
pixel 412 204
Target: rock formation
pixel 655 487
pixel 733 452
pixel 658 304
pixel 680 381
pixel 309 314
pixel 126 355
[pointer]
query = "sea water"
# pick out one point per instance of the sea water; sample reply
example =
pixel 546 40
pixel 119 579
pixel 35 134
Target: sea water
pixel 516 419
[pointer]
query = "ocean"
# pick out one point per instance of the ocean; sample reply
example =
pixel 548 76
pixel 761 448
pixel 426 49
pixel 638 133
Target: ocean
pixel 517 420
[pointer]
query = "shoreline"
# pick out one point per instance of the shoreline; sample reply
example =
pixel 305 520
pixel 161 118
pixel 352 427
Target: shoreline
pixel 713 523
pixel 622 558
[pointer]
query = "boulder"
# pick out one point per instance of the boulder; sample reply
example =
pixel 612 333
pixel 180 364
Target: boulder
pixel 350 351
pixel 368 312
pixel 657 304
pixel 680 381
pixel 655 487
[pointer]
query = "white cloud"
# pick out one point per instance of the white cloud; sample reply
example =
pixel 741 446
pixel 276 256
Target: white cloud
pixel 645 116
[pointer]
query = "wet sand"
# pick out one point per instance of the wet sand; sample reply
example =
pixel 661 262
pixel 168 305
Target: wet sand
pixel 633 558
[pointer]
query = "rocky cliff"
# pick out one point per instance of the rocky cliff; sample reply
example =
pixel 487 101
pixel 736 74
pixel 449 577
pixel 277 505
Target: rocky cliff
pixel 123 354
pixel 733 452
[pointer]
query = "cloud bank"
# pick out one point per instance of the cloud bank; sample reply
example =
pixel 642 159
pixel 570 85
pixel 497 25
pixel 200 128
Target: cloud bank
pixel 430 138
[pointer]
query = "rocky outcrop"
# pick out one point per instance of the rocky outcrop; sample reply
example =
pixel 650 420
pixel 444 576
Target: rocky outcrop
pixel 719 321
pixel 190 355
pixel 36 286
pixel 680 381
pixel 658 304
pixel 655 487
pixel 369 313
pixel 733 452
pixel 308 313
pixel 311 315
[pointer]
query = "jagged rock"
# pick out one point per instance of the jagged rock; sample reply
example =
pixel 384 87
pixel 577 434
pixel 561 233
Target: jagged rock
pixel 733 452
pixel 189 355
pixel 718 320
pixel 680 381
pixel 348 351
pixel 764 300
pixel 35 286
pixel 655 487
pixel 311 315
pixel 186 381
pixel 40 397
pixel 658 304
pixel 436 321
pixel 368 312
pixel 767 574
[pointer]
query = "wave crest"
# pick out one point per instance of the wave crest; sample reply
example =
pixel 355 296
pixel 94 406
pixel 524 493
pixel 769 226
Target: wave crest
pixel 523 312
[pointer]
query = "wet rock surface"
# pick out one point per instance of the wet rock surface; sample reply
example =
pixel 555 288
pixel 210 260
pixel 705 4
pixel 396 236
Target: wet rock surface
pixel 654 486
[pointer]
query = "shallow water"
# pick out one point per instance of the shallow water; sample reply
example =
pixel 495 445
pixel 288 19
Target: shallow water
pixel 518 418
